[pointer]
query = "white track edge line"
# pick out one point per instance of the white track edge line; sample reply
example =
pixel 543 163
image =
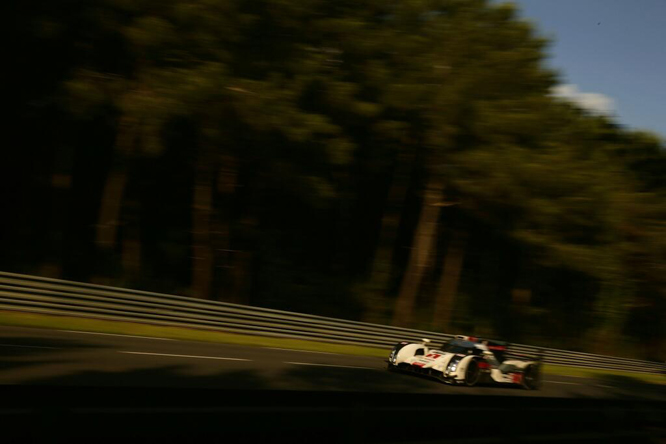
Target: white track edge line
pixel 182 356
pixel 329 365
pixel 297 350
pixel 114 334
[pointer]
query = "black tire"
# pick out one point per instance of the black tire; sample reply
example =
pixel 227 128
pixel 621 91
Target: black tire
pixel 390 367
pixel 532 377
pixel 472 374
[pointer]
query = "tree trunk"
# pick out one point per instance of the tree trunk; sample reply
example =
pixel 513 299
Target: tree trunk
pixel 131 240
pixel 226 260
pixel 380 275
pixel 448 283
pixel 610 315
pixel 114 189
pixel 109 214
pixel 202 251
pixel 131 254
pixel 239 273
pixel 419 256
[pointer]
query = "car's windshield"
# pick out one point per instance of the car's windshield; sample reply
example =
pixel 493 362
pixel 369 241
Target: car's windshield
pixel 462 347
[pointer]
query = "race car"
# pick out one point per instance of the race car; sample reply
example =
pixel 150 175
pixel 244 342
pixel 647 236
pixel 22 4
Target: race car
pixel 465 360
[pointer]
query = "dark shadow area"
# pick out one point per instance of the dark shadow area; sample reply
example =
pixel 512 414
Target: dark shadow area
pixel 166 377
pixel 97 414
pixel 626 387
pixel 18 352
pixel 289 377
pixel 304 378
pixel 346 379
pixel 622 381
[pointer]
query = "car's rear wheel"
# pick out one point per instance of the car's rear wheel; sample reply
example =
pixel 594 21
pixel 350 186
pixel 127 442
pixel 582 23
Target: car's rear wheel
pixel 531 377
pixel 472 374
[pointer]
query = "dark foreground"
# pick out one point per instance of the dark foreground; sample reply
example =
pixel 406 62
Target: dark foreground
pixel 101 415
pixel 71 387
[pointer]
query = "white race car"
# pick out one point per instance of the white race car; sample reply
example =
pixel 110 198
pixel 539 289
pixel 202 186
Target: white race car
pixel 465 360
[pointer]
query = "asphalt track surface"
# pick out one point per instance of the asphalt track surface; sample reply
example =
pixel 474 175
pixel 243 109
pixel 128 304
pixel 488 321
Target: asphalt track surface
pixel 66 358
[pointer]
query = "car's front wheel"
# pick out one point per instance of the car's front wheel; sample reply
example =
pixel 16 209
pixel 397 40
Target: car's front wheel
pixel 531 377
pixel 472 374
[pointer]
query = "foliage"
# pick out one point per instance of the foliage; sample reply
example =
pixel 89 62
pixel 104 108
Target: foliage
pixel 311 131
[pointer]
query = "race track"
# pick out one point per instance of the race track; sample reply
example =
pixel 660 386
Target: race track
pixel 55 357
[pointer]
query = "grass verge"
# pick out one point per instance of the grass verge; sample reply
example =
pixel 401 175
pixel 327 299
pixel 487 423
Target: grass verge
pixel 21 319
pixel 563 370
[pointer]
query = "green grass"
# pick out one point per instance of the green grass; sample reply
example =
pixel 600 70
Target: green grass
pixel 192 334
pixel 196 334
pixel 563 370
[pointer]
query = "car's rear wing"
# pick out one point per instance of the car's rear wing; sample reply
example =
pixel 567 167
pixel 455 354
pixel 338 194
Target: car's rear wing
pixel 498 348
pixel 490 343
pixel 537 356
pixel 502 350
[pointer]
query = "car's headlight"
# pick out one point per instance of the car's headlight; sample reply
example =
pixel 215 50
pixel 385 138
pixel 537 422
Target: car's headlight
pixel 453 367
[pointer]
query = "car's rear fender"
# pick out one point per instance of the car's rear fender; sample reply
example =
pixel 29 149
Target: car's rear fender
pixel 518 364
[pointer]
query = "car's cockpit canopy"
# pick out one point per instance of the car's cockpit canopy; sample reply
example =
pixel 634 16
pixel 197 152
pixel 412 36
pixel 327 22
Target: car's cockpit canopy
pixel 461 346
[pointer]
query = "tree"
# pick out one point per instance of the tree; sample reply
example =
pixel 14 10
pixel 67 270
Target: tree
pixel 497 62
pixel 349 159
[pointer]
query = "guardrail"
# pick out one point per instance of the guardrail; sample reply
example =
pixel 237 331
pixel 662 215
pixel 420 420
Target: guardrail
pixel 57 297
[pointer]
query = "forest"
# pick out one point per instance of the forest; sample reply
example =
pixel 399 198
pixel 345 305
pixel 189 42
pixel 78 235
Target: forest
pixel 395 162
